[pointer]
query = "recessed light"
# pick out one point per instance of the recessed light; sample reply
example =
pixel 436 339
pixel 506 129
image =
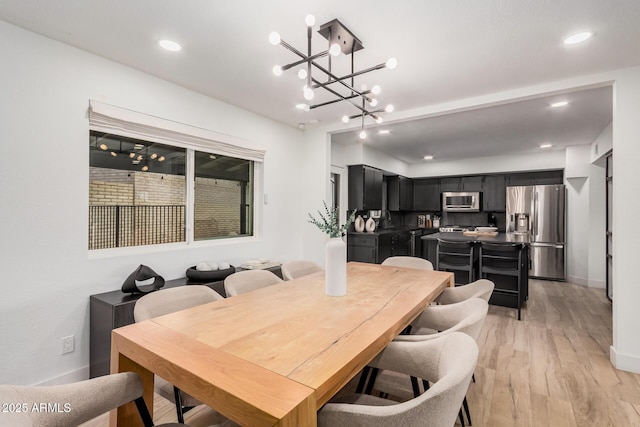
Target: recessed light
pixel 578 37
pixel 547 145
pixel 428 157
pixel 559 104
pixel 383 132
pixel 170 45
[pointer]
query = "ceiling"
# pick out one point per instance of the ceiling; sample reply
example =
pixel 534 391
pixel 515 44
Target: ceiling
pixel 446 51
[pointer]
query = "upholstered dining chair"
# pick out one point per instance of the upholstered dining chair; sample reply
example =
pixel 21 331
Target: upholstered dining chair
pixel 298 268
pixel 434 322
pixel 447 363
pixel 168 301
pixel 482 288
pixel 249 280
pixel 409 262
pixel 77 402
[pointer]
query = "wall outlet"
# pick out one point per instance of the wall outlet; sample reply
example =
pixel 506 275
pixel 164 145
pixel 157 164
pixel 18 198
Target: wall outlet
pixel 67 344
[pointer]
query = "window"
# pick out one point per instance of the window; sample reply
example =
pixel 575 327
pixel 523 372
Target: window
pixel 138 193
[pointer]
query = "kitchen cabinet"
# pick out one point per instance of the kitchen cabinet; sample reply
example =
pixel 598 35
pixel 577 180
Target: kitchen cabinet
pixel 517 179
pixel 494 190
pixel 399 193
pixel 393 244
pixel 362 248
pixel 365 188
pixel 426 194
pixel 450 184
pixel 471 183
pixel 536 178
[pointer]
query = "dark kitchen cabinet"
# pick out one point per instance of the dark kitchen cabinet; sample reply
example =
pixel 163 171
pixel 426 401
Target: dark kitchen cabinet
pixel 393 244
pixel 365 188
pixel 450 184
pixel 362 248
pixel 494 193
pixel 471 183
pixel 517 179
pixel 426 194
pixel 399 193
pixel 549 177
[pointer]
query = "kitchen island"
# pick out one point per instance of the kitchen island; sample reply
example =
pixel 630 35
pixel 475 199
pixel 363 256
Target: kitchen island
pixel 507 292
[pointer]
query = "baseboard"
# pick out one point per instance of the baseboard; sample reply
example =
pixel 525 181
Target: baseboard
pixel 624 362
pixel 70 377
pixel 598 284
pixel 578 280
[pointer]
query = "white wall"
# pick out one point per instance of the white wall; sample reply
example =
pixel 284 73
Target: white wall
pixel 597 225
pixel 46 272
pixel 602 144
pixel 625 352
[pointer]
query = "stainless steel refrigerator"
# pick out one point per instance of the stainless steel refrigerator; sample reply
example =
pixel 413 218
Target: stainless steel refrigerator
pixel 538 212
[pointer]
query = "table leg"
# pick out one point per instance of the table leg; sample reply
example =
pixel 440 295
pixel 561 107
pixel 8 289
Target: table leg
pixel 128 415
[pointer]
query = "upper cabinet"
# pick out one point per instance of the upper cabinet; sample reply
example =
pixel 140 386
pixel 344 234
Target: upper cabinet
pixel 471 183
pixel 494 193
pixel 535 178
pixel 365 188
pixel 399 193
pixel 426 194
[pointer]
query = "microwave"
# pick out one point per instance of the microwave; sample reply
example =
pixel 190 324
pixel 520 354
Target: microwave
pixel 461 201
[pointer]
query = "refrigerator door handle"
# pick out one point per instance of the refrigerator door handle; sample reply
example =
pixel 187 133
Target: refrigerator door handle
pixel 548 245
pixel 534 227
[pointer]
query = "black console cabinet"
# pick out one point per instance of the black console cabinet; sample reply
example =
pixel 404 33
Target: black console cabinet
pixel 111 310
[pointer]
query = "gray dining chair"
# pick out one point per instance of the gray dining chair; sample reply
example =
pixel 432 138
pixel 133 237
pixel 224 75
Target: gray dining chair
pixel 482 288
pixel 434 322
pixel 168 301
pixel 408 262
pixel 447 363
pixel 77 402
pixel 249 280
pixel 298 268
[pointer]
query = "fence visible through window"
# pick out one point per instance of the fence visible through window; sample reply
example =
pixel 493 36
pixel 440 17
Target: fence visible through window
pixel 128 225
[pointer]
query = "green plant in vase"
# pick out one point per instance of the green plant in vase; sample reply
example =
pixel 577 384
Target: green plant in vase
pixel 328 221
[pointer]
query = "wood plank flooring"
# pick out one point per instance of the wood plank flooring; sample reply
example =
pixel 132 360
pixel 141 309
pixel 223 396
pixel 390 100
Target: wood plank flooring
pixel 549 369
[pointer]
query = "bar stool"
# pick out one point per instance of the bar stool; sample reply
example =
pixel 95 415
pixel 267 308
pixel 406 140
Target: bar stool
pixel 505 259
pixel 453 255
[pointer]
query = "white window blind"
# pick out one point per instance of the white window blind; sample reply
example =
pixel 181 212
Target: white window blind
pixel 120 121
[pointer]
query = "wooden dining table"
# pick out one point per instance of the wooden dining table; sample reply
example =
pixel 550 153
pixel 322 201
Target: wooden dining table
pixel 274 356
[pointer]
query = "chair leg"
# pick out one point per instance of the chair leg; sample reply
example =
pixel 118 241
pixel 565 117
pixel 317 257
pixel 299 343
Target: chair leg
pixel 465 405
pixel 178 398
pixel 372 380
pixel 363 379
pixel 461 417
pixel 473 377
pixel 144 412
pixel 415 386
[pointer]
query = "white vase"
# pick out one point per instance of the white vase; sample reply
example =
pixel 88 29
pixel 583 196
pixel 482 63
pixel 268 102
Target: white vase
pixel 370 225
pixel 335 252
pixel 359 224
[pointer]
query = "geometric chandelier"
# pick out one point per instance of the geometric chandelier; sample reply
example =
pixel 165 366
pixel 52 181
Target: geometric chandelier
pixel 340 40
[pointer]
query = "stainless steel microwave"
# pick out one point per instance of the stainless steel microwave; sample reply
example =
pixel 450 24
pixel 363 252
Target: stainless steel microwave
pixel 461 201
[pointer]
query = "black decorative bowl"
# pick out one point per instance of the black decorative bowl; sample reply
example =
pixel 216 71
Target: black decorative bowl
pixel 209 276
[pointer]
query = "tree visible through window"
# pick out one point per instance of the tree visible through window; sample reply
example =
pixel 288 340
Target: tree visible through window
pixel 137 193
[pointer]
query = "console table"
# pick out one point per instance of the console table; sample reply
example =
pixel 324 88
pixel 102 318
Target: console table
pixel 111 310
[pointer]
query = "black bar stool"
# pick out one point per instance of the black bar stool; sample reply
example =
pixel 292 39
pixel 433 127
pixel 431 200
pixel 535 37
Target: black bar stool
pixel 453 255
pixel 506 259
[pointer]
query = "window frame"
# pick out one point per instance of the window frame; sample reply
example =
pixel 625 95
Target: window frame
pixel 192 139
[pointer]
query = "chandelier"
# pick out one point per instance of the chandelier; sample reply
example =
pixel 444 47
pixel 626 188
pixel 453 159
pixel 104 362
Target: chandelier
pixel 340 40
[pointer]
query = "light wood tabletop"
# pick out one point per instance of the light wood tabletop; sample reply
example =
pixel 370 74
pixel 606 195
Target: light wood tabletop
pixel 274 356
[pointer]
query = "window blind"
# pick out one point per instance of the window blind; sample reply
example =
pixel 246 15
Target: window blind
pixel 120 121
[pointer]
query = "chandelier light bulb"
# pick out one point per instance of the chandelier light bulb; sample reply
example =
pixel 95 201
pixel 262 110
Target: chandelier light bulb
pixel 302 73
pixel 277 70
pixel 345 119
pixel 335 50
pixel 274 38
pixel 376 90
pixel 310 20
pixel 308 93
pixel 379 120
pixel 373 102
pixel 391 63
pixel 363 135
pixel 389 108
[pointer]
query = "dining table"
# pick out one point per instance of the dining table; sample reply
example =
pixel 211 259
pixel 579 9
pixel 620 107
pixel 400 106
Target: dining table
pixel 276 355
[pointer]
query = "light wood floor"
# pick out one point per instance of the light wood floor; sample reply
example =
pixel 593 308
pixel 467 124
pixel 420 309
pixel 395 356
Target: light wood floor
pixel 549 369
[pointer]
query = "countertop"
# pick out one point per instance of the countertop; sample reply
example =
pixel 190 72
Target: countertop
pixel 379 232
pixel 500 238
